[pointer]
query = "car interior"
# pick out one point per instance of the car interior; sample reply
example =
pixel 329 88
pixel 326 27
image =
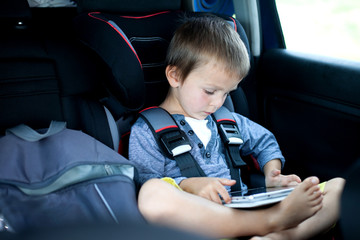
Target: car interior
pixel 96 64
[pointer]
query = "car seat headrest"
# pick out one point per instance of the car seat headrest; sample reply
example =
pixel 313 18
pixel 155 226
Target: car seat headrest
pixel 128 6
pixel 112 45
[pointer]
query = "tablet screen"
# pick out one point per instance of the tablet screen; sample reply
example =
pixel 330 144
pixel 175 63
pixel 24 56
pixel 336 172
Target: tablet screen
pixel 253 191
pixel 258 196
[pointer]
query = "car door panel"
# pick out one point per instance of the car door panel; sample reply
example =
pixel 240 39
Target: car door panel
pixel 312 105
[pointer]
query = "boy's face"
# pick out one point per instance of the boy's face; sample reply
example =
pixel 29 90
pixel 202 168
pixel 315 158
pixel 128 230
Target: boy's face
pixel 204 90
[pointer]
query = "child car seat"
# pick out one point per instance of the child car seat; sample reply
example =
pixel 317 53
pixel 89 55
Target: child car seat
pixel 145 32
pixel 149 28
pixel 47 74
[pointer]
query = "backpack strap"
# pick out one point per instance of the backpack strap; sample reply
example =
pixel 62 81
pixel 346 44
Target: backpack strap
pixel 230 136
pixel 27 133
pixel 172 140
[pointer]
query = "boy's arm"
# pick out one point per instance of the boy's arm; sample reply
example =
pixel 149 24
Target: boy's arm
pixel 145 153
pixel 274 164
pixel 260 143
pixel 142 152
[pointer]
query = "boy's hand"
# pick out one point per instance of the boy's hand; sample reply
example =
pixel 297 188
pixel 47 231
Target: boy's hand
pixel 209 188
pixel 275 179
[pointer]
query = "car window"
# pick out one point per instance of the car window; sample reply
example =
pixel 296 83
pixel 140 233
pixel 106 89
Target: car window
pixel 326 27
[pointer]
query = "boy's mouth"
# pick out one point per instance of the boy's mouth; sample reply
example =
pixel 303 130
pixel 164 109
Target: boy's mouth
pixel 209 113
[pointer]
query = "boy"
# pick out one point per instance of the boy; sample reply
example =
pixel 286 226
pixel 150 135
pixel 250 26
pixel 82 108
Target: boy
pixel 206 60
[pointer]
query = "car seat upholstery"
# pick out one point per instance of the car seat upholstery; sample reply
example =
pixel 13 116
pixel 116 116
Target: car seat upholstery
pixel 145 31
pixel 149 29
pixel 46 74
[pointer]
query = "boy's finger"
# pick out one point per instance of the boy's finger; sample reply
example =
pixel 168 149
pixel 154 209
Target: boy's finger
pixel 215 197
pixel 293 183
pixel 227 182
pixel 225 195
pixel 294 178
pixel 297 179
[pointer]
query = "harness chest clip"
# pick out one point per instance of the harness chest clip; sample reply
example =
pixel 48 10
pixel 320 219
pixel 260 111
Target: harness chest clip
pixel 230 133
pixel 175 144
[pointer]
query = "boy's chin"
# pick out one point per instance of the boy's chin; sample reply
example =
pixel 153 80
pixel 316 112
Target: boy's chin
pixel 201 117
pixel 198 116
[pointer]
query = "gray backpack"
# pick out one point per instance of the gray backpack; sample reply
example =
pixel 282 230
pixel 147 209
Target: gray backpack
pixel 59 176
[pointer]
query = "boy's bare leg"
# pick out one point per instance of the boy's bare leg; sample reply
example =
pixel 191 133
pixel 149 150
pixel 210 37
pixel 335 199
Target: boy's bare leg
pixel 162 203
pixel 322 221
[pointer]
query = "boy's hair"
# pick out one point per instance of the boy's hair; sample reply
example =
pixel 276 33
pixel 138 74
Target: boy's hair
pixel 201 39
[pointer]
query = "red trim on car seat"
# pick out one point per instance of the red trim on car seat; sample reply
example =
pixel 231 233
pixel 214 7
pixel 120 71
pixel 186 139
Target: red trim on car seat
pixel 148 108
pixel 146 16
pixel 225 119
pixel 124 144
pixel 125 38
pixel 255 163
pixel 232 19
pixel 161 129
pixel 167 127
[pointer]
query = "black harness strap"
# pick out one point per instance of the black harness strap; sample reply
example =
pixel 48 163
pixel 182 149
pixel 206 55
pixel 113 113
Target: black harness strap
pixel 173 141
pixel 230 136
pixel 176 145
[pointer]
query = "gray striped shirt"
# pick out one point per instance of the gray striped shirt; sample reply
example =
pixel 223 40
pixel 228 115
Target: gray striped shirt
pixel 145 153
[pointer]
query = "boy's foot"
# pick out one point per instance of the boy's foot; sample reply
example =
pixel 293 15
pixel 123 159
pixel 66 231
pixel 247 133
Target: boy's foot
pixel 304 201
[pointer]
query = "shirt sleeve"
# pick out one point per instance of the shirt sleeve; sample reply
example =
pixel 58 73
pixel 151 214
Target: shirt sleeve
pixel 258 141
pixel 145 153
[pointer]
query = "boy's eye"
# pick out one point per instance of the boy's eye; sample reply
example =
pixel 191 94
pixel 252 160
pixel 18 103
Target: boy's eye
pixel 209 92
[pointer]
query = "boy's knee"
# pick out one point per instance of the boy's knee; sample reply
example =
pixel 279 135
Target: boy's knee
pixel 150 192
pixel 335 185
pixel 156 199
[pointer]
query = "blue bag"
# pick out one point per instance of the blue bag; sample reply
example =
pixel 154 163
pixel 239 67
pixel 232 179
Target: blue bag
pixel 60 176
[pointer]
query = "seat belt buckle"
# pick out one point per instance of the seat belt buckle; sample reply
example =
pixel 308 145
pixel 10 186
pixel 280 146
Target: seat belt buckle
pixel 230 133
pixel 176 145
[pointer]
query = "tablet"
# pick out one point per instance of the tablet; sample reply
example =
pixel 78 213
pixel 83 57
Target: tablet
pixel 257 197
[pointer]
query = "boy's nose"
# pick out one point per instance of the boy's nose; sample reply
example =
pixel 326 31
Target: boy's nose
pixel 218 102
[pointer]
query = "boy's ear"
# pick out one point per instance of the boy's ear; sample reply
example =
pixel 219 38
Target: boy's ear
pixel 172 76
